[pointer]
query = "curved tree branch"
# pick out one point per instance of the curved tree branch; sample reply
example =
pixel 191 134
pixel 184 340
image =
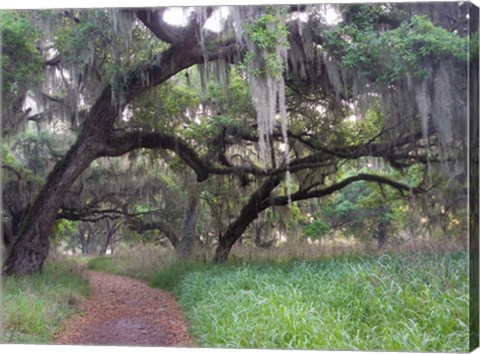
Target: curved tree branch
pixel 159 226
pixel 130 141
pixel 309 194
pixel 153 20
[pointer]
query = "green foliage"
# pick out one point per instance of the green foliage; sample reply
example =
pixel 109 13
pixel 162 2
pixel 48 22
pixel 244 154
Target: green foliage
pixel 473 47
pixel 422 34
pixel 317 229
pixel 101 45
pixel 338 304
pixel 360 208
pixel 385 56
pixel 75 38
pixel 64 229
pixel 230 105
pixel 363 130
pixel 34 307
pixel 165 107
pixel 7 157
pixel 231 98
pixel 267 33
pixel 21 61
pixel 364 15
pixel 9 161
pixel 101 264
pixel 169 277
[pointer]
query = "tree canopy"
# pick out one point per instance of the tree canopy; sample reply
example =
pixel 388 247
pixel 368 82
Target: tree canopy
pixel 199 134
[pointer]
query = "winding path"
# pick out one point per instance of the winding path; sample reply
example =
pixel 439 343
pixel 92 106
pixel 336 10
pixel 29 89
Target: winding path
pixel 124 311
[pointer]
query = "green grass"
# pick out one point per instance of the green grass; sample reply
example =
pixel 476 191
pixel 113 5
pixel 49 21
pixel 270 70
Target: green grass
pixel 33 307
pixel 101 264
pixel 399 303
pixel 172 275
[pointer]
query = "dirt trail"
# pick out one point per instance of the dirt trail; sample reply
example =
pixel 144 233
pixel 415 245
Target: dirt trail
pixel 124 311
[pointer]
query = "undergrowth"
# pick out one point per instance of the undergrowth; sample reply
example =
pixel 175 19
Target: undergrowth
pixel 33 307
pixel 394 303
pixel 101 264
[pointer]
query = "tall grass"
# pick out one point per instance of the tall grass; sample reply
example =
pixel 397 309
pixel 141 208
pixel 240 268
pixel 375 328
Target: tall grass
pixel 345 246
pixel 33 307
pixel 399 303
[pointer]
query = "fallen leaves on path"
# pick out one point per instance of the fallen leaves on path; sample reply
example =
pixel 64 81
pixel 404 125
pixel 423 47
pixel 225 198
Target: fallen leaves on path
pixel 124 311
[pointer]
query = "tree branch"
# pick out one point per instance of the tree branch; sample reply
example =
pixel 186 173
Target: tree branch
pixel 153 20
pixel 88 215
pixel 135 140
pixel 306 194
pixel 54 61
pixel 162 227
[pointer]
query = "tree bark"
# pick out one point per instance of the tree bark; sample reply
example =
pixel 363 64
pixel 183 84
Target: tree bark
pixel 32 244
pixel 189 235
pixel 249 213
pixel 382 235
pixel 8 237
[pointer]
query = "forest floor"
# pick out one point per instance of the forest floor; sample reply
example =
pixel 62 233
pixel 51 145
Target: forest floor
pixel 124 311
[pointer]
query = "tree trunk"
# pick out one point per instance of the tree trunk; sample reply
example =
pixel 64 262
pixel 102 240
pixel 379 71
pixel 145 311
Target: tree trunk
pixel 85 237
pixel 107 238
pixel 189 235
pixel 257 232
pixel 248 214
pixel 8 237
pixel 233 233
pixel 32 242
pixel 382 235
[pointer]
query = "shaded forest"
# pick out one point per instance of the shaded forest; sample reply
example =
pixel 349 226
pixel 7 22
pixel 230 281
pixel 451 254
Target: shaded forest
pixel 255 127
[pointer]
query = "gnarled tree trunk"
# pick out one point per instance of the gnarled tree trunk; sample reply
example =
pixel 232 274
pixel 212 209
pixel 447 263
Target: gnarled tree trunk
pixel 248 214
pixel 32 242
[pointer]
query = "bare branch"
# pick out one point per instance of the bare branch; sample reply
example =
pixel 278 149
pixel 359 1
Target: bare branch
pixel 159 226
pixel 153 20
pixel 136 140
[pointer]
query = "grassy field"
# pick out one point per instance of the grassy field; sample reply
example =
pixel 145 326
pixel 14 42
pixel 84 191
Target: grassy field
pixel 33 307
pixel 399 303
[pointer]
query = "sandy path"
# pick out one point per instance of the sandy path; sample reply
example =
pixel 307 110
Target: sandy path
pixel 124 311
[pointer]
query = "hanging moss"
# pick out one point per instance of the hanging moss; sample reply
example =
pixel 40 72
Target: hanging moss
pixel 266 37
